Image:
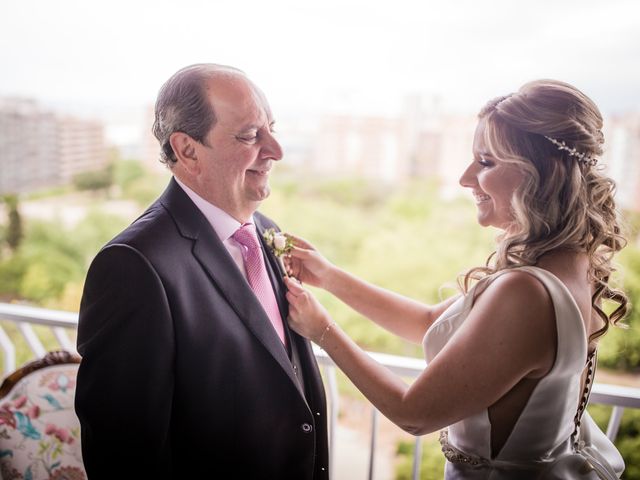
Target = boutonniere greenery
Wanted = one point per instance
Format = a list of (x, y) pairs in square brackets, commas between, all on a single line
[(279, 244)]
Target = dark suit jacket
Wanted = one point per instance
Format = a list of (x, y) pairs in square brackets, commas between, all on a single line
[(182, 374)]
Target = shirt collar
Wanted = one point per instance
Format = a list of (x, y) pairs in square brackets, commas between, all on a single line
[(222, 223)]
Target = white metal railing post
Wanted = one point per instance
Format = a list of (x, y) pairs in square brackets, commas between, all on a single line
[(24, 317), (32, 339), (614, 422), (9, 352), (374, 436), (63, 339), (332, 387), (417, 458)]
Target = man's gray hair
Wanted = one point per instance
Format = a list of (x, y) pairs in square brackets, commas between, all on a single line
[(183, 106)]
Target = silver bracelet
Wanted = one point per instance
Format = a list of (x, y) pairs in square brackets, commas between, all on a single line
[(325, 332)]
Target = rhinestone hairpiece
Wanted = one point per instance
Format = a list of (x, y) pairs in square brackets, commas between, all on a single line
[(581, 157)]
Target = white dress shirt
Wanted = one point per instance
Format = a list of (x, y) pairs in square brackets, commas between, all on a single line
[(222, 223)]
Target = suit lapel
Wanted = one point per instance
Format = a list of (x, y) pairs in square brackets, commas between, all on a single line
[(224, 273)]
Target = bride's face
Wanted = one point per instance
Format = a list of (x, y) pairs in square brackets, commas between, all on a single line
[(492, 182)]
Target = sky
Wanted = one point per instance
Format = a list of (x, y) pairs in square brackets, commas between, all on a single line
[(105, 57)]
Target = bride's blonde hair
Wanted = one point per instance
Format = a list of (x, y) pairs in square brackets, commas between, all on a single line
[(562, 202)]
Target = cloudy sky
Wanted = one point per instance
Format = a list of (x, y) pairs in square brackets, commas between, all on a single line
[(314, 54)]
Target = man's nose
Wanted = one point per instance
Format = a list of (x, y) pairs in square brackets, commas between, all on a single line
[(272, 148)]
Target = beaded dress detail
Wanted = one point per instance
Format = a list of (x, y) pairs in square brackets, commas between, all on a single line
[(553, 436)]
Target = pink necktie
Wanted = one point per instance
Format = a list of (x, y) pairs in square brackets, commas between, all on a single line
[(257, 274)]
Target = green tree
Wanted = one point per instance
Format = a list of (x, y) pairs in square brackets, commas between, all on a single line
[(51, 257), (126, 173), (432, 462), (95, 180), (12, 271), (628, 439), (14, 233), (620, 348)]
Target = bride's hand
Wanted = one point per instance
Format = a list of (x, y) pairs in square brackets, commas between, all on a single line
[(306, 315), (306, 264)]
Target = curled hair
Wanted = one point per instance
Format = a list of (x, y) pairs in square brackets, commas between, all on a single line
[(561, 202), (183, 106)]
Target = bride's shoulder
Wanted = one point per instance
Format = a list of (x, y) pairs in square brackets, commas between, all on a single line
[(518, 289), (525, 281), (515, 314)]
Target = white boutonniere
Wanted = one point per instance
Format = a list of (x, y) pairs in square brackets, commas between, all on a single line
[(279, 244)]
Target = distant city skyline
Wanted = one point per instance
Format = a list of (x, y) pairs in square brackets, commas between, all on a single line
[(420, 142), (41, 149)]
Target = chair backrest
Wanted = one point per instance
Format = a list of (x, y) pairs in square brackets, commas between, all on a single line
[(39, 429)]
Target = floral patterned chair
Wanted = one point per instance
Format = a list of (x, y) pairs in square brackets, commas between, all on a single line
[(39, 430)]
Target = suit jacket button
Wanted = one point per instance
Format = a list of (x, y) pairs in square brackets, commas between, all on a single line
[(306, 428)]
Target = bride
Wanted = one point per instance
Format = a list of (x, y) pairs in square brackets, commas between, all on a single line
[(510, 361)]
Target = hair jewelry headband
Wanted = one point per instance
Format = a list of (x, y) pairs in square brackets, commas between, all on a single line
[(582, 157)]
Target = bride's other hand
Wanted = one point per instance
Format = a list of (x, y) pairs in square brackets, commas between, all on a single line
[(306, 264)]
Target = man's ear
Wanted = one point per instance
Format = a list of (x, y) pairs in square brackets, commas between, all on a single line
[(185, 149)]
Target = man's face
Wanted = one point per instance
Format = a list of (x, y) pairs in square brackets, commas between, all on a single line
[(237, 154)]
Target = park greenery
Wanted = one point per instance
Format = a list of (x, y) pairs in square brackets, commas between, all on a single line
[(406, 238)]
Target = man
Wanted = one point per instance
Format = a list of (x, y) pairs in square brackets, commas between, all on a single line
[(189, 369)]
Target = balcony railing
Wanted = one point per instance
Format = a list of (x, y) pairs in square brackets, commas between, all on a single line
[(61, 323)]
